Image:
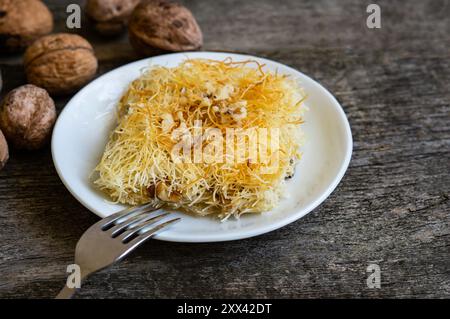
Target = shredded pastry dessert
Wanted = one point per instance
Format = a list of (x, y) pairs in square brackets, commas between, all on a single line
[(207, 136)]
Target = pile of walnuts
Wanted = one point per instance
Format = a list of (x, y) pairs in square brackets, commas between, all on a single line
[(57, 64)]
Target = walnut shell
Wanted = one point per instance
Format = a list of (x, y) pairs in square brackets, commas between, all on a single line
[(60, 63), (110, 16), (163, 25), (27, 116), (4, 153), (22, 22)]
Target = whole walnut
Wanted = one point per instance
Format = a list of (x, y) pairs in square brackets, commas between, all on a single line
[(22, 22), (4, 153), (163, 25), (60, 63), (27, 116), (110, 16)]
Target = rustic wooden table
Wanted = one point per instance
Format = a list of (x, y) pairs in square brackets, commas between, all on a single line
[(392, 207)]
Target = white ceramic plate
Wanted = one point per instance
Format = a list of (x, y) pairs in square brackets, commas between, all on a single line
[(83, 127)]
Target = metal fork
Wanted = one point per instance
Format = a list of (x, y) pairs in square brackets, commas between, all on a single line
[(114, 237)]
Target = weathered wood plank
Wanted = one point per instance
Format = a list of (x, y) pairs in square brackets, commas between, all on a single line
[(392, 207)]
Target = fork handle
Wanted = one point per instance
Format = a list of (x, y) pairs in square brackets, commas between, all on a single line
[(66, 293)]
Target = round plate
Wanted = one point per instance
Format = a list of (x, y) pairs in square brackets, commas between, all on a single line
[(83, 128)]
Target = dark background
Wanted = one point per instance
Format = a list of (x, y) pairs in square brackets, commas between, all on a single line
[(392, 207)]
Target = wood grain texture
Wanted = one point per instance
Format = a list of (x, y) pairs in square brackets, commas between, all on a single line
[(392, 207)]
